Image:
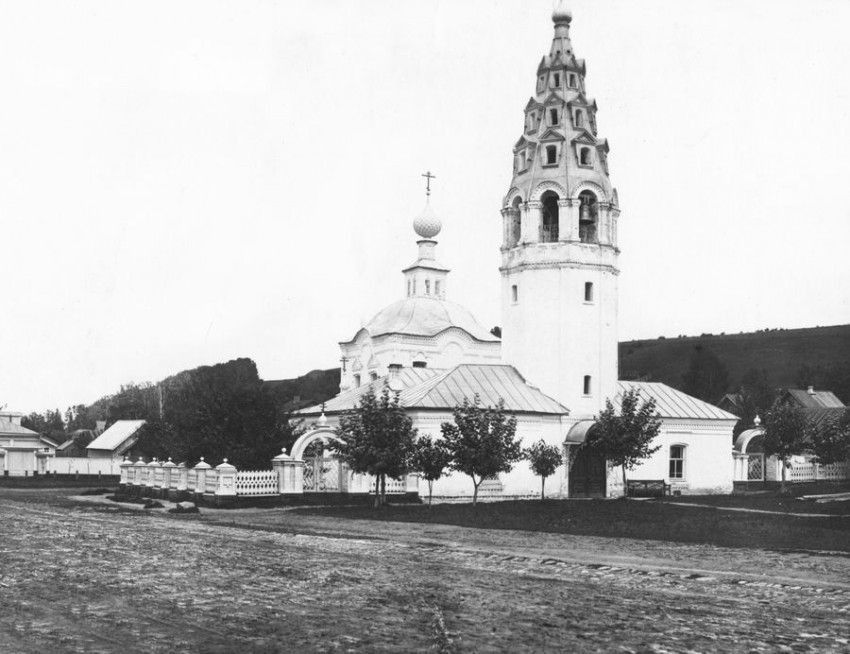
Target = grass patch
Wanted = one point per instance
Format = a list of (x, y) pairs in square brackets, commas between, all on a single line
[(648, 520)]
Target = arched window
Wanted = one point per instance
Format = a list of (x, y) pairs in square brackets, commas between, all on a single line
[(587, 215), (677, 462), (356, 381), (584, 157), (373, 376), (549, 223)]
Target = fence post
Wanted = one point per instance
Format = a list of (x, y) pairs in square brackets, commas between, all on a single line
[(167, 470), (125, 466), (138, 472), (182, 477), (226, 482), (3, 461), (411, 483), (201, 484), (290, 473), (152, 467)]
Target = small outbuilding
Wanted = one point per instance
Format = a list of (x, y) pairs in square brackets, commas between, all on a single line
[(22, 451), (116, 441)]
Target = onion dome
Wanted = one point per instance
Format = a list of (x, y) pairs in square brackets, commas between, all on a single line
[(562, 14), (427, 224)]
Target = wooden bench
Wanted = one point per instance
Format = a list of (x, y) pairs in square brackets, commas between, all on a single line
[(647, 488)]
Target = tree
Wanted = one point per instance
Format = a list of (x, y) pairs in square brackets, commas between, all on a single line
[(784, 433), (831, 439), (377, 438), (430, 460), (544, 461), (626, 438), (757, 396), (706, 377), (481, 441)]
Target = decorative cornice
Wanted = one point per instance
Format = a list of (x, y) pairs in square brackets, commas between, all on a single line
[(558, 264)]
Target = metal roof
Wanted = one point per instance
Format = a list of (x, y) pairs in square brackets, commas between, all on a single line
[(671, 403), (425, 316), (117, 434), (429, 388), (9, 428), (815, 399)]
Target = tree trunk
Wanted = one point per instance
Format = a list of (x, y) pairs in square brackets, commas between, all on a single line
[(625, 486), (784, 465), (430, 491), (377, 493), (475, 491), (383, 490), (542, 488)]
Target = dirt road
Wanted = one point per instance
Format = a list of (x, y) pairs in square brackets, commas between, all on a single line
[(88, 577)]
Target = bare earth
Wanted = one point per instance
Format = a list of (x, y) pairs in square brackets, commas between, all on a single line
[(86, 576)]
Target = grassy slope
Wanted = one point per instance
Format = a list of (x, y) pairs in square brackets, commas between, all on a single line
[(781, 353)]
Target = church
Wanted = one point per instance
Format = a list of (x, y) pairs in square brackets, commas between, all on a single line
[(556, 362)]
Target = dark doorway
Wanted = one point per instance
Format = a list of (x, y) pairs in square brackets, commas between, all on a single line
[(587, 474)]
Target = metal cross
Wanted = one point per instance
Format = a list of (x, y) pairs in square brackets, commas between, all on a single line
[(429, 176), (343, 360)]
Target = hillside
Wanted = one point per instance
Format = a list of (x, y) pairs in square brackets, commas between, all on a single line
[(782, 353)]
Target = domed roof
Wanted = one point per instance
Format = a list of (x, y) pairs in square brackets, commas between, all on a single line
[(425, 316), (427, 224), (562, 14)]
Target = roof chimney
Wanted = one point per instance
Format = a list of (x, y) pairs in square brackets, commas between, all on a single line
[(811, 390)]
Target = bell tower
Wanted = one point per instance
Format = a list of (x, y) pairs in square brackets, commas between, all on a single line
[(559, 248)]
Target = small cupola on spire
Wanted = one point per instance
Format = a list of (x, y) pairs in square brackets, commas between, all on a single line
[(426, 277)]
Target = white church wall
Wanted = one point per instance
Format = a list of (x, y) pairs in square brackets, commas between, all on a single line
[(554, 351), (708, 461)]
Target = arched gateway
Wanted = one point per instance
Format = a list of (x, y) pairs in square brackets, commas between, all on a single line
[(322, 472)]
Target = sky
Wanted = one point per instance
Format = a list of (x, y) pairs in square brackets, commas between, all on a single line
[(184, 182)]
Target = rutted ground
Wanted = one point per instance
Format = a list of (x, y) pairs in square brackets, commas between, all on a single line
[(89, 578)]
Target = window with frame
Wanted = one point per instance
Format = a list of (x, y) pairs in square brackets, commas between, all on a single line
[(356, 381), (514, 294), (584, 157), (588, 291), (556, 80), (373, 376), (572, 80), (587, 386), (553, 117), (551, 155), (677, 462)]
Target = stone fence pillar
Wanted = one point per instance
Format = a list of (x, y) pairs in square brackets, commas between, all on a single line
[(226, 482), (153, 466), (126, 471), (167, 470), (201, 484), (138, 472), (290, 474), (411, 483), (182, 473), (3, 462)]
